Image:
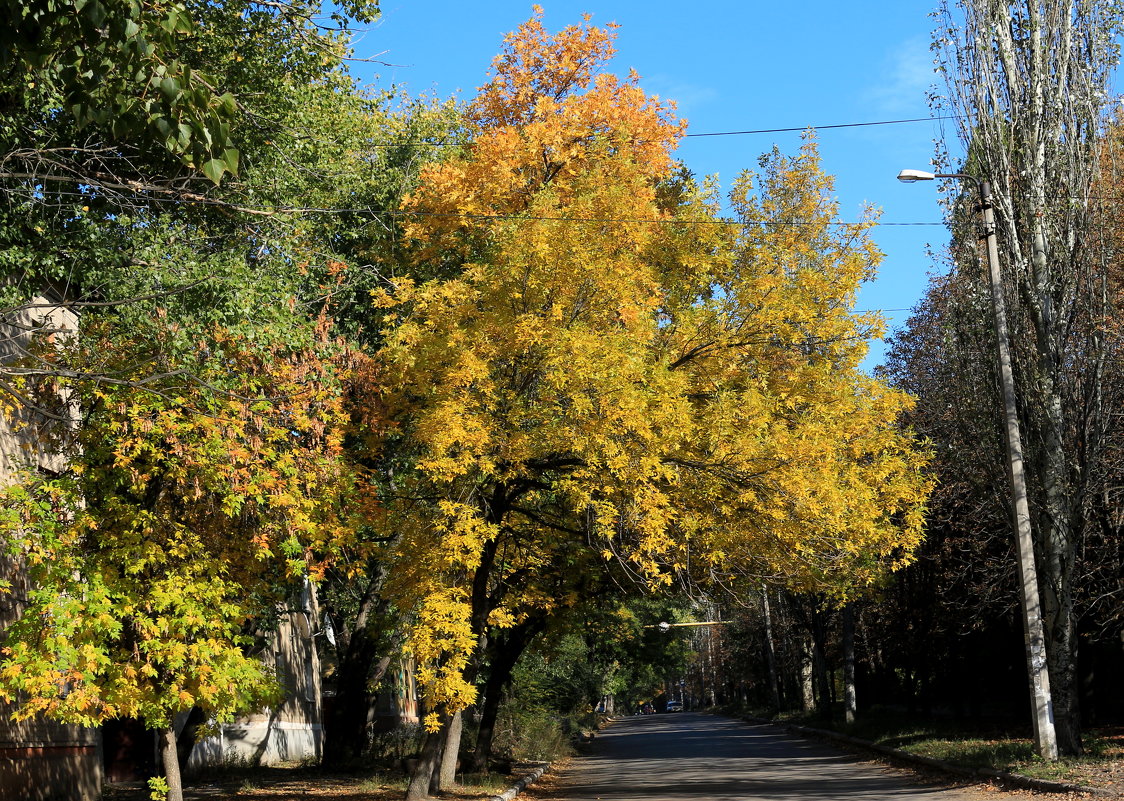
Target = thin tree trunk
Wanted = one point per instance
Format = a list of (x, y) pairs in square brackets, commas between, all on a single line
[(770, 651), (850, 705), (819, 666), (807, 686), (170, 758), (439, 757), (447, 776), (358, 669), (504, 651), (189, 734), (421, 778), (486, 731)]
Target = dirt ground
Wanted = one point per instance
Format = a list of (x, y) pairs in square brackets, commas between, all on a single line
[(295, 784)]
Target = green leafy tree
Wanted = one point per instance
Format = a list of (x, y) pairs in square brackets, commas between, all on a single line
[(118, 115)]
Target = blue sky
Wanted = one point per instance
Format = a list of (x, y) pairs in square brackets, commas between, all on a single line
[(735, 66)]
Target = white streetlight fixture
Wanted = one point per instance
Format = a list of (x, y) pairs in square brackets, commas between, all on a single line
[(909, 176), (664, 625), (1033, 630)]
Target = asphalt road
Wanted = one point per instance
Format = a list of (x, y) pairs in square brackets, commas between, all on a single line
[(693, 756)]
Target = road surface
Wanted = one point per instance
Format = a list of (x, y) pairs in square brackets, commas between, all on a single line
[(694, 756)]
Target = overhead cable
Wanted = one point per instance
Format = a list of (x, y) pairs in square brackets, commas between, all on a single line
[(797, 129)]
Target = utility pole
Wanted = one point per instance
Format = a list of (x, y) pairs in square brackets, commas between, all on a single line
[(1034, 637)]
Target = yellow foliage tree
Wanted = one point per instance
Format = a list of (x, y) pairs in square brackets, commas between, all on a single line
[(188, 511), (617, 372)]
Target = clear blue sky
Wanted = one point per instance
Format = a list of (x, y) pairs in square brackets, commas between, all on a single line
[(735, 66)]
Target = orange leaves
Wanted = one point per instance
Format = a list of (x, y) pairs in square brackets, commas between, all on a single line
[(191, 506), (537, 67), (547, 120)]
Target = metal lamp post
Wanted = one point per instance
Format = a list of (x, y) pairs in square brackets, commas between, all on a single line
[(1033, 631)]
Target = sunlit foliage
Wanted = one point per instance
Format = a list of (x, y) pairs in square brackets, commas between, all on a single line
[(614, 368)]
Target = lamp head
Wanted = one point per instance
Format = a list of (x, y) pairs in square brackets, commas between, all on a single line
[(910, 176)]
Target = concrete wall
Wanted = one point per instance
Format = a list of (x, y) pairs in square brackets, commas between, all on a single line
[(292, 732), (42, 761)]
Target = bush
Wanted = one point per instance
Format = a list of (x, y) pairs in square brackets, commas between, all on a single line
[(393, 745), (532, 734)]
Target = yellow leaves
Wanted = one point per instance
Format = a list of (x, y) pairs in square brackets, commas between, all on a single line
[(183, 507), (661, 391), (441, 640), (544, 122), (501, 618)]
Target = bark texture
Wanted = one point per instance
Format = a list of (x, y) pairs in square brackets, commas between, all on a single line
[(359, 668), (170, 760), (503, 652), (447, 776)]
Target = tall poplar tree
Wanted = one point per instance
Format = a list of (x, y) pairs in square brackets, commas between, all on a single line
[(1029, 81)]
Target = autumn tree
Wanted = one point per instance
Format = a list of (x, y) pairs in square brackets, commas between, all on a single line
[(1101, 557), (609, 367), (200, 287), (183, 518)]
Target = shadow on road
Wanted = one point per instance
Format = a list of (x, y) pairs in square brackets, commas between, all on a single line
[(691, 755)]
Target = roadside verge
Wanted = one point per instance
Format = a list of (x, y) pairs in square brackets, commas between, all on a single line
[(536, 773), (986, 774)]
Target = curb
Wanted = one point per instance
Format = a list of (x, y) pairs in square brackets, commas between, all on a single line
[(988, 774), (522, 784)]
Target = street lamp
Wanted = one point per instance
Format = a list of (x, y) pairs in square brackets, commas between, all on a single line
[(664, 625), (1045, 737)]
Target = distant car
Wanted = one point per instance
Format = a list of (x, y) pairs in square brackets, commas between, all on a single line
[(674, 706)]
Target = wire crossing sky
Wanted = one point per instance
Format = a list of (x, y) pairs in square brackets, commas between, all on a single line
[(746, 76)]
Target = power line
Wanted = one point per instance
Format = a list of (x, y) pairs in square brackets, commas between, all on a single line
[(833, 126), (825, 127), (389, 213)]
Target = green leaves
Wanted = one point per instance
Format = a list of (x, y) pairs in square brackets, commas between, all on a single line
[(150, 73), (107, 57)]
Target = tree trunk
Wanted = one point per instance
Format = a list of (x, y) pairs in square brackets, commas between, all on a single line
[(420, 779), (170, 758), (504, 651), (442, 737), (849, 701), (358, 669), (345, 736), (770, 651), (819, 666), (448, 774), (185, 743), (1061, 655), (807, 686)]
